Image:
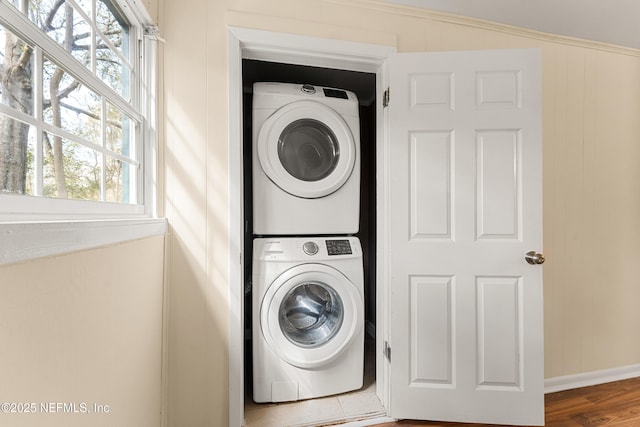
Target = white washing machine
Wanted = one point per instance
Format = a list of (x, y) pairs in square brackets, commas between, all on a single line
[(308, 317), (306, 160)]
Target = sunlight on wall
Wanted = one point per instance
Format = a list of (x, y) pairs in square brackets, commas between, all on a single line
[(84, 330), (590, 98)]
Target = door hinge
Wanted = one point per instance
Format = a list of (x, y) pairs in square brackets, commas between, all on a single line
[(387, 351), (385, 98)]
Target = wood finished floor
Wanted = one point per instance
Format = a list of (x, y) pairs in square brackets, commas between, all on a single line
[(612, 404)]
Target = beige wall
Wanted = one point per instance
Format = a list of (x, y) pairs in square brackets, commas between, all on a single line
[(591, 102), (591, 106), (84, 328), (152, 8), (592, 212)]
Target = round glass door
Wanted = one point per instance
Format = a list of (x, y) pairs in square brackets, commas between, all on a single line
[(307, 149), (311, 314)]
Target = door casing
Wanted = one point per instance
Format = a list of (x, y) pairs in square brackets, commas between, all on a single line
[(286, 48)]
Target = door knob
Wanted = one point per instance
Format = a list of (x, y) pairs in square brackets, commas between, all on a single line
[(533, 258)]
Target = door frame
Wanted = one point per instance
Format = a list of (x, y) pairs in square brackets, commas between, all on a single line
[(244, 43)]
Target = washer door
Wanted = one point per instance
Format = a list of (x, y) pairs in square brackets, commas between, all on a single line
[(307, 149), (310, 314)]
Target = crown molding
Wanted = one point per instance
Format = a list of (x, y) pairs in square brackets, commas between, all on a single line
[(467, 21)]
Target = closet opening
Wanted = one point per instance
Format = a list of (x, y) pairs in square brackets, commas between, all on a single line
[(361, 403)]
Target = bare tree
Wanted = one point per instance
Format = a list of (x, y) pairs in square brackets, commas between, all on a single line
[(16, 92), (54, 89)]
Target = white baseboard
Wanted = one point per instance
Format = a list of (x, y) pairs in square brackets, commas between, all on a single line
[(368, 422), (568, 382), (587, 379)]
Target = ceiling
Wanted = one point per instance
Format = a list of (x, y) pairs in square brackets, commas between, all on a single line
[(610, 21)]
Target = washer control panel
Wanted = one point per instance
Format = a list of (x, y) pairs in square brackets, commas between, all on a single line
[(307, 88), (286, 249), (310, 248), (338, 247)]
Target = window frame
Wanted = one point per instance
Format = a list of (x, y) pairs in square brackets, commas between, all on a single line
[(141, 108), (34, 226)]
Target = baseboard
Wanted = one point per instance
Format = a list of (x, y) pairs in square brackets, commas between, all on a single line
[(568, 382), (368, 422), (587, 379)]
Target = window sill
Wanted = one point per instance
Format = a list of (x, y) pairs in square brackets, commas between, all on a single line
[(22, 241)]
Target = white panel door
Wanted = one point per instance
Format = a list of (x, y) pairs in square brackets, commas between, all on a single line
[(465, 181)]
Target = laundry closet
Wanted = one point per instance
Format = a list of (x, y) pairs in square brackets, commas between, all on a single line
[(455, 180), (363, 86)]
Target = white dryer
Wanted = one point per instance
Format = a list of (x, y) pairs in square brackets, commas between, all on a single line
[(308, 317), (306, 160)]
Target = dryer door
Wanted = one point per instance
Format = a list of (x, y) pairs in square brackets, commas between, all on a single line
[(310, 314), (307, 149)]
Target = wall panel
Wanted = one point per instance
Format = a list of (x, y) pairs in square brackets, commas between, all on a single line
[(84, 329), (590, 100)]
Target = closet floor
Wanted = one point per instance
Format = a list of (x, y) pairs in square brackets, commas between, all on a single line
[(356, 405)]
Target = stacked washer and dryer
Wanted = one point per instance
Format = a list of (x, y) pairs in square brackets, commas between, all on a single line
[(308, 283)]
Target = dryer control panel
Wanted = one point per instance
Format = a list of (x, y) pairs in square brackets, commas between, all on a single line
[(335, 93), (338, 247)]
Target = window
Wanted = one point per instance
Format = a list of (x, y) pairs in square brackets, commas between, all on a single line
[(75, 103)]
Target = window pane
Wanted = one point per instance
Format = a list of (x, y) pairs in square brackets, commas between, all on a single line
[(86, 6), (69, 105), (109, 66), (81, 49), (31, 173), (71, 170), (53, 17), (112, 71), (65, 25), (112, 26), (119, 181), (16, 86), (15, 159), (82, 144), (119, 127)]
